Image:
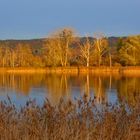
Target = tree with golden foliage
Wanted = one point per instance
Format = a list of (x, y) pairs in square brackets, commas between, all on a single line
[(101, 47), (53, 54), (58, 46)]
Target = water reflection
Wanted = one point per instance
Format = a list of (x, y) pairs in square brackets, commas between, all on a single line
[(128, 89), (57, 87), (20, 83), (106, 88)]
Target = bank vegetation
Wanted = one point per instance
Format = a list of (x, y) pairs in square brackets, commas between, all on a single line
[(82, 119)]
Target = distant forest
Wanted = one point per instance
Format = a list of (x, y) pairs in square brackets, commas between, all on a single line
[(64, 48)]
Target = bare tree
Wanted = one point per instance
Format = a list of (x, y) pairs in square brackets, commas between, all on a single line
[(59, 44), (100, 46), (66, 37), (85, 49)]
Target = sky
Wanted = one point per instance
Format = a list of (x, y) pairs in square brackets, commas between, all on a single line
[(28, 19)]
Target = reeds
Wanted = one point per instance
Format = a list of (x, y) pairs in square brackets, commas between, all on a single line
[(82, 119)]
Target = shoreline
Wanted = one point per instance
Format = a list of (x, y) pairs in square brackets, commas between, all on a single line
[(75, 70)]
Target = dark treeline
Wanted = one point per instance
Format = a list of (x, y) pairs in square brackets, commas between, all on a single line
[(64, 48)]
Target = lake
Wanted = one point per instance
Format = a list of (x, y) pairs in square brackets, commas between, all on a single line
[(105, 87)]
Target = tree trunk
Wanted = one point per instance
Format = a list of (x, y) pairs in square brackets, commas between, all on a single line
[(13, 60), (3, 62), (66, 54), (99, 62), (110, 60), (87, 62), (99, 52)]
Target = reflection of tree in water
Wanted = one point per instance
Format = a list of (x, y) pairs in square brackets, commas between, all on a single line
[(57, 86), (128, 89), (20, 83), (85, 87), (99, 85)]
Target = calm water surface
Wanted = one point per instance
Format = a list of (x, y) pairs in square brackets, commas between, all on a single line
[(106, 88)]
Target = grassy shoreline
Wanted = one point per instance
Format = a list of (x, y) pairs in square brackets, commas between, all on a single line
[(75, 70)]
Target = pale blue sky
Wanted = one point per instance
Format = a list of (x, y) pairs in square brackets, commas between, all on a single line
[(25, 19)]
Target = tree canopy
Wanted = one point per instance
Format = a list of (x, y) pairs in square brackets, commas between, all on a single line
[(64, 48)]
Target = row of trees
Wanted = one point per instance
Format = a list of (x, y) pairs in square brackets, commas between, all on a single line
[(64, 48), (19, 56)]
